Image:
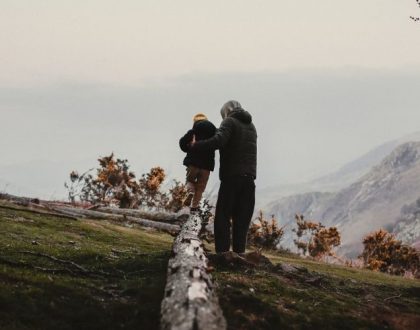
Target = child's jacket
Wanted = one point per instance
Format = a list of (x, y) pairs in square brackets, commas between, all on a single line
[(202, 130)]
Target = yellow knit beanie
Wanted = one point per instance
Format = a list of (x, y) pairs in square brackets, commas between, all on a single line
[(199, 116)]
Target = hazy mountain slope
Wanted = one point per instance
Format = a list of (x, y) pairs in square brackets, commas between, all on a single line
[(355, 169), (372, 202), (308, 204), (407, 228), (343, 177), (376, 200)]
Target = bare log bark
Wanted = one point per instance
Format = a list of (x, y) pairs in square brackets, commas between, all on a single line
[(150, 215), (19, 200), (190, 300), (78, 212), (37, 209), (136, 216)]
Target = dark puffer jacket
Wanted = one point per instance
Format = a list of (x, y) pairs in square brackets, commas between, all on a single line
[(237, 140), (204, 159)]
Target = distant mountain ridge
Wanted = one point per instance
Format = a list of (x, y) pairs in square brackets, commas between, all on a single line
[(339, 179), (355, 169), (372, 202)]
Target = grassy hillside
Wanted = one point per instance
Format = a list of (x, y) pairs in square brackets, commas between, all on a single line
[(305, 294), (58, 273), (116, 280)]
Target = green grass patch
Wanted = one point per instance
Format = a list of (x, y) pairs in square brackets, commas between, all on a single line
[(318, 296), (58, 273)]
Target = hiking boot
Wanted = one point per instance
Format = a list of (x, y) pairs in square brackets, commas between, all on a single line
[(188, 199)]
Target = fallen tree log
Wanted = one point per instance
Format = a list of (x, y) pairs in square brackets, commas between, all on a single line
[(162, 216), (150, 215), (83, 213), (38, 209), (190, 301), (19, 200)]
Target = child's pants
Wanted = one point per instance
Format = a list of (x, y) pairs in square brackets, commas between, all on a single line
[(196, 183)]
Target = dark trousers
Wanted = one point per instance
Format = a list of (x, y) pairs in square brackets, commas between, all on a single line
[(236, 201)]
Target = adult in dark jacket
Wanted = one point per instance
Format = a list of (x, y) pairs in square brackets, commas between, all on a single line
[(236, 138), (198, 163)]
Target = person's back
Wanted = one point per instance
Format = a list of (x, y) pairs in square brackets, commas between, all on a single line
[(202, 129), (200, 163), (236, 138), (239, 155)]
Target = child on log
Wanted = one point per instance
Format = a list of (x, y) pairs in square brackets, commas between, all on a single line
[(198, 164)]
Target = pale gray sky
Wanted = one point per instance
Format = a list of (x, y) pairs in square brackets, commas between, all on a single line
[(325, 81), (133, 42)]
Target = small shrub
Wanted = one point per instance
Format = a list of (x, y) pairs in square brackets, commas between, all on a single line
[(114, 184), (265, 233), (383, 252), (149, 193), (177, 195), (314, 239)]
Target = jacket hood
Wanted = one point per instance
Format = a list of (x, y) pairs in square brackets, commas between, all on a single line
[(228, 107), (241, 115)]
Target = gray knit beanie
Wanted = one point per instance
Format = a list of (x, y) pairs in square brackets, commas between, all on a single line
[(228, 107)]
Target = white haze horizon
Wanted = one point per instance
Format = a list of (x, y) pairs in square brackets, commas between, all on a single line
[(309, 123), (324, 81)]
